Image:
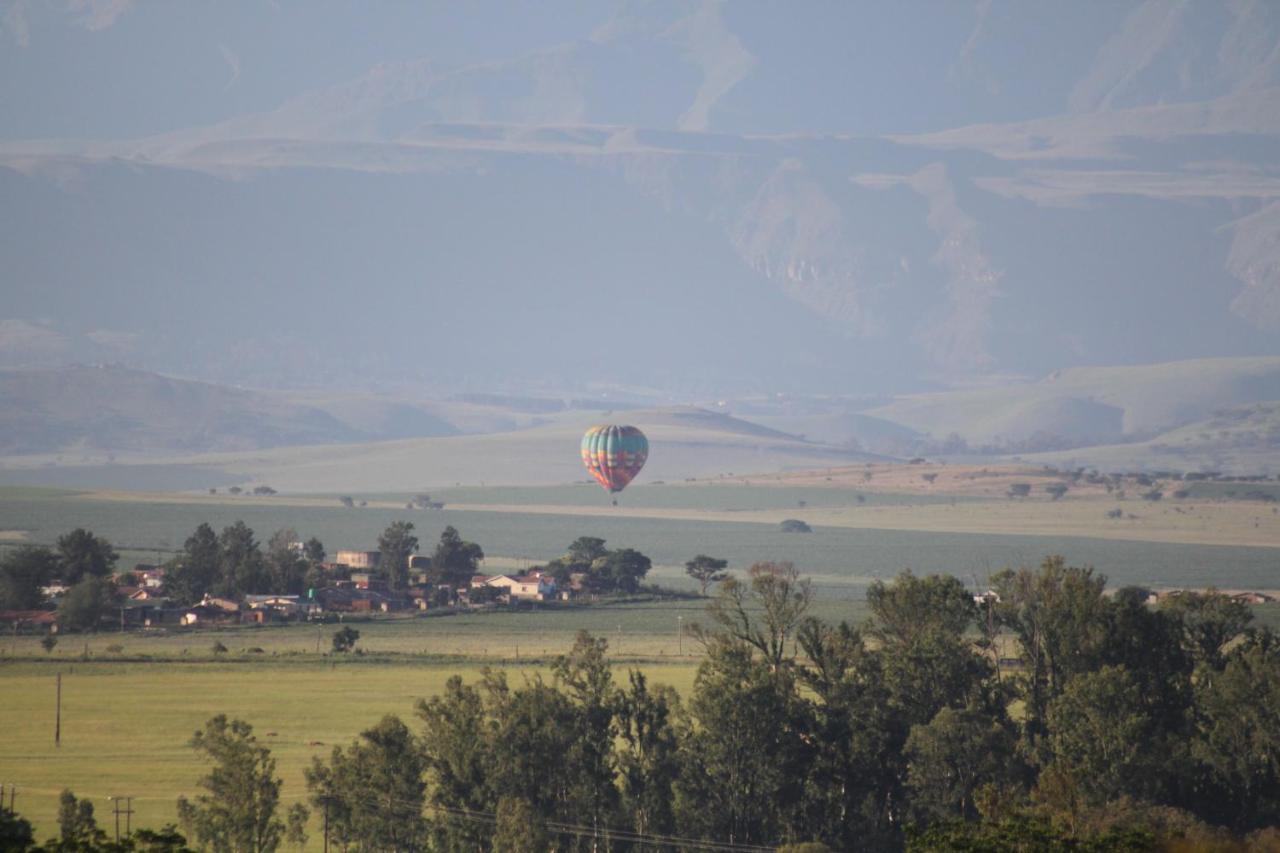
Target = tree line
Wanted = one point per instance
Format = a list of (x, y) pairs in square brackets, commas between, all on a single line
[(1121, 726), (233, 563), (1115, 726)]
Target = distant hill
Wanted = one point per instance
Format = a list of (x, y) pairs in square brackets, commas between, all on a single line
[(98, 409), (1236, 440), (1089, 406)]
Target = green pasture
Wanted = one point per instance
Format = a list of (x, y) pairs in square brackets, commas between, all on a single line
[(722, 497), (841, 561), (125, 725), (648, 630)]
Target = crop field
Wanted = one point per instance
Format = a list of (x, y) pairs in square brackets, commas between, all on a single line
[(125, 726), (841, 559)]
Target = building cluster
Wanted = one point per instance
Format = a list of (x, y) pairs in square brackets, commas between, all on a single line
[(354, 585)]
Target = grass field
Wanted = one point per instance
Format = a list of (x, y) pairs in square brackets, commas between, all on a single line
[(125, 726), (851, 544)]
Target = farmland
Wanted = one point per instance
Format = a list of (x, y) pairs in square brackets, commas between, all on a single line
[(862, 531), (125, 726), (131, 700)]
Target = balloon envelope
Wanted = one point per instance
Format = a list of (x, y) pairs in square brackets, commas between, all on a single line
[(614, 454)]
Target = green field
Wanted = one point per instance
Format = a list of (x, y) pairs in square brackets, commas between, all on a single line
[(841, 560), (125, 725)]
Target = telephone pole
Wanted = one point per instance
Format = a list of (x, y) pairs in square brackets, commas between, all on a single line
[(57, 726), (127, 811)]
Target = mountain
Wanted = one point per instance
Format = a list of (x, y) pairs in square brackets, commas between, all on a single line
[(672, 198)]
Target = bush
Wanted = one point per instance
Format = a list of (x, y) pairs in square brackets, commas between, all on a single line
[(795, 525), (344, 639)]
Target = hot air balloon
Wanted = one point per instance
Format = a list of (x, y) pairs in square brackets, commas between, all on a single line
[(614, 454)]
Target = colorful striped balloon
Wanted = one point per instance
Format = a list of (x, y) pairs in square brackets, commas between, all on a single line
[(614, 454)]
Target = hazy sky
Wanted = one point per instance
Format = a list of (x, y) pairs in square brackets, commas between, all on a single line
[(691, 197)]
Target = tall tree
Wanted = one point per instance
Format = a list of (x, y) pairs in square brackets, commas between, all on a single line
[(455, 560), (395, 544), (744, 758), (243, 571), (585, 676), (456, 752), (77, 827), (648, 754), (195, 571), (928, 662), (286, 565), (853, 789), (85, 604), (1209, 621), (1101, 734), (620, 570), (952, 756), (773, 590), (23, 572), (1238, 742), (81, 553), (706, 571), (238, 812), (373, 790), (1058, 616)]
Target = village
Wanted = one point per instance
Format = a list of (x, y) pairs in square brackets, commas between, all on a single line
[(294, 581)]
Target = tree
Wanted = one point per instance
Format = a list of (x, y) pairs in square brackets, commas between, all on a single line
[(1209, 621), (455, 560), (1238, 739), (396, 543), (745, 756), (1100, 734), (620, 570), (81, 553), (84, 605), (286, 565), (313, 551), (519, 829), (587, 680), (15, 831), (197, 568), (374, 789), (781, 596), (1058, 616), (344, 639), (648, 755), (48, 642), (706, 571), (952, 756), (238, 814), (23, 572), (456, 754), (296, 825), (795, 525), (76, 824), (585, 550), (242, 568), (928, 662)]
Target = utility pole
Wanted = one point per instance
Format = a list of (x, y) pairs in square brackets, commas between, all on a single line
[(57, 726), (326, 824)]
